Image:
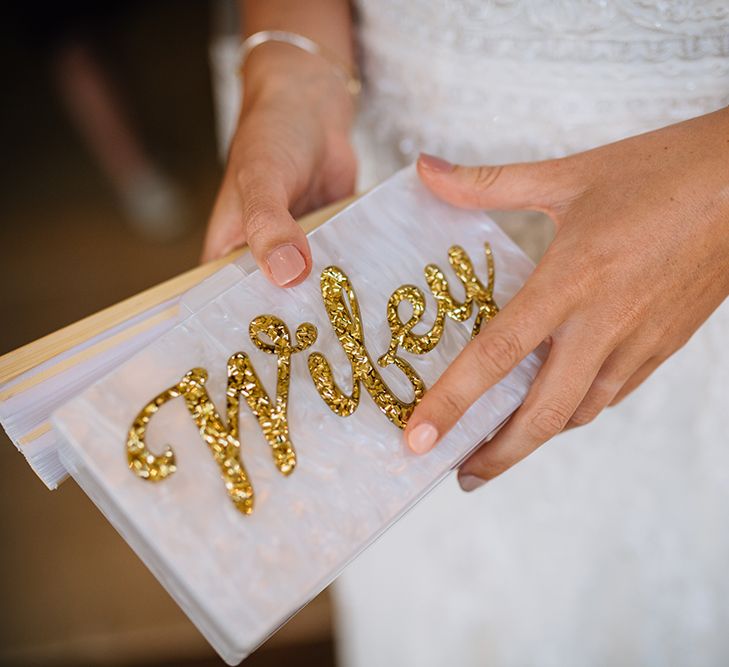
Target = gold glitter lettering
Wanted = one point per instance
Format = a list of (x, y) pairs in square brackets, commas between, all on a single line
[(223, 439), (401, 332), (242, 380), (223, 445), (340, 302), (342, 307)]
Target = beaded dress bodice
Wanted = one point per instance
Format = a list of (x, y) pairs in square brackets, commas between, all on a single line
[(505, 80)]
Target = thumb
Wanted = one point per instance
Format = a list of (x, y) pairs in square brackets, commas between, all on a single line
[(225, 230), (526, 185), (254, 210), (276, 240)]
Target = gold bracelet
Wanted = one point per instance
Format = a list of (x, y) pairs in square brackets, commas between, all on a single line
[(351, 80)]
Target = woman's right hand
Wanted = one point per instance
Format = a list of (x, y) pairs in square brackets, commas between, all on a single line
[(291, 153)]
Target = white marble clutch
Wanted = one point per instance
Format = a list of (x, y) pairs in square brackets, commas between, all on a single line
[(240, 577)]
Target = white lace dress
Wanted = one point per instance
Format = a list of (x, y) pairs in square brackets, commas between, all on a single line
[(610, 545)]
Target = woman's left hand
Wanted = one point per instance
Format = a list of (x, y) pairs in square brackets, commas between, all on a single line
[(640, 259)]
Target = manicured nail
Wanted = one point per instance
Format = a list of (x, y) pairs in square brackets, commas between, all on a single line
[(422, 438), (434, 163), (285, 263), (470, 482)]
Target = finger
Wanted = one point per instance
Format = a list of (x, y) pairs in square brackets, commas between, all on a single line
[(277, 242), (615, 372), (559, 388), (252, 207), (225, 228), (635, 380), (530, 185), (525, 322)]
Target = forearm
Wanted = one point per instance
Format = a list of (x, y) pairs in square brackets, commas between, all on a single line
[(276, 66), (292, 151), (327, 22)]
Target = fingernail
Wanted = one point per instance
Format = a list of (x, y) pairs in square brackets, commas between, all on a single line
[(422, 438), (470, 482), (285, 263), (435, 163)]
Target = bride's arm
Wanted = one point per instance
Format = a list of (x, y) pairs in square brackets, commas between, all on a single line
[(640, 259), (291, 150)]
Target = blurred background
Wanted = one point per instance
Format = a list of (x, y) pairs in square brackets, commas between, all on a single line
[(110, 165)]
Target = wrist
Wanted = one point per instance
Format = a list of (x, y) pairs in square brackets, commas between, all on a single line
[(276, 73)]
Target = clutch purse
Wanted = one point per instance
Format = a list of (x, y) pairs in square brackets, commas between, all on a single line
[(253, 449)]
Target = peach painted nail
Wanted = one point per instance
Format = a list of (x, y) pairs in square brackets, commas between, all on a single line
[(470, 482), (434, 163), (286, 264), (422, 438)]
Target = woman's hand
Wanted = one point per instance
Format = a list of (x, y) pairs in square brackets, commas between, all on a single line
[(639, 261), (290, 154)]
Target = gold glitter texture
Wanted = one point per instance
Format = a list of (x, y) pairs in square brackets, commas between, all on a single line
[(476, 294), (342, 307), (223, 439), (340, 302), (242, 380), (223, 445)]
